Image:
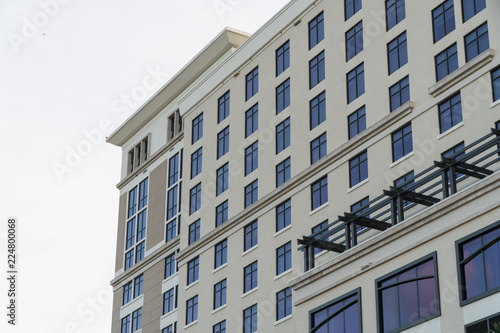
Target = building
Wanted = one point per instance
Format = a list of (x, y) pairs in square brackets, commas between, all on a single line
[(337, 169)]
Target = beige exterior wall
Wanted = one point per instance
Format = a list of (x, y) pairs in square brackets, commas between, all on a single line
[(122, 215), (432, 229)]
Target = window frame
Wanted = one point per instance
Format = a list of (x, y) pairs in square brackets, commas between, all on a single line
[(197, 159), (224, 106), (445, 17), (317, 69), (284, 209), (193, 309), (402, 141), (283, 95), (251, 158), (282, 58), (358, 79), (222, 211), (337, 300), (461, 279), (356, 122), (194, 231), (354, 9), (220, 251), (197, 197), (387, 9), (250, 228), (220, 294), (283, 135), (287, 300), (285, 257), (253, 272), (401, 51), (432, 256), (223, 142), (464, 19), (317, 107), (355, 36), (495, 93), (195, 269), (222, 179), (442, 109), (322, 201), (252, 118), (358, 156), (198, 124), (317, 24), (319, 144), (401, 88), (251, 191), (283, 171), (475, 41), (252, 78), (449, 60)]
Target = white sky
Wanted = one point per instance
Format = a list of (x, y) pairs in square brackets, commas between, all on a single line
[(62, 70)]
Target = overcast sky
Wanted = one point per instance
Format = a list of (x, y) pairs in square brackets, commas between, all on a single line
[(66, 66)]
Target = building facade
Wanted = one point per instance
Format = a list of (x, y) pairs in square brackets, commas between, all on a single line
[(336, 171)]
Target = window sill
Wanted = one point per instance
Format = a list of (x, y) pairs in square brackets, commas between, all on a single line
[(457, 126), (358, 185), (192, 284), (219, 268), (168, 314), (283, 230), (249, 292), (191, 324), (319, 254), (497, 102), (219, 309), (249, 250), (407, 156), (461, 73), (282, 274), (318, 208), (170, 277), (132, 302), (283, 319)]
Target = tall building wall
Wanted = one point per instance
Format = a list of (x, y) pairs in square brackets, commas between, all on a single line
[(332, 133)]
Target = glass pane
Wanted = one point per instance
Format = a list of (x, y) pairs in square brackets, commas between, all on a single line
[(427, 297), (408, 300), (474, 277), (492, 266), (390, 309), (352, 318)]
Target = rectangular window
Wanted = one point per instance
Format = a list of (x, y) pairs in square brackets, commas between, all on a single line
[(317, 110), (136, 320), (283, 96), (138, 282), (141, 225), (361, 206), (171, 230), (318, 148), (223, 105), (282, 135), (251, 193), (479, 264), (127, 293), (172, 202), (222, 142), (220, 253), (358, 169), (197, 128), (316, 30), (283, 171), (443, 20), (408, 296), (400, 93), (355, 83), (132, 202), (402, 143), (321, 229), (476, 42), (317, 69), (403, 182), (283, 303), (194, 231), (357, 122), (129, 259), (455, 152), (395, 12), (450, 112), (471, 8), (489, 324), (130, 233), (170, 328), (397, 53), (195, 199), (168, 301), (446, 62), (220, 294), (220, 327), (126, 324), (283, 215), (251, 158), (131, 160), (495, 82), (192, 310), (143, 193), (222, 178), (251, 120), (196, 162), (343, 313), (173, 170), (354, 41), (250, 319), (252, 83), (282, 58), (139, 252), (250, 277), (193, 270), (251, 236), (170, 266), (319, 193), (351, 7), (284, 258), (221, 213)]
